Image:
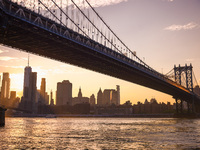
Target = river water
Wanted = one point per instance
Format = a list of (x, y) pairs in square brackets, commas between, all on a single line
[(100, 133)]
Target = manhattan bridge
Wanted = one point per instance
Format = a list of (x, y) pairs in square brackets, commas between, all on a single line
[(73, 32)]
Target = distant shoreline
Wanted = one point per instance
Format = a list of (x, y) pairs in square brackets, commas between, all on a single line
[(103, 116)]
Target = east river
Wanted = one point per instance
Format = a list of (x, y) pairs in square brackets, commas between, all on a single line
[(100, 133)]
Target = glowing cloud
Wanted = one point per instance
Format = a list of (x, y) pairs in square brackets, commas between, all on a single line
[(6, 58), (80, 3), (168, 0), (188, 26), (15, 67), (3, 51), (100, 3), (189, 59)]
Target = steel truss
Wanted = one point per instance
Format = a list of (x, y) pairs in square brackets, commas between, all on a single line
[(179, 72)]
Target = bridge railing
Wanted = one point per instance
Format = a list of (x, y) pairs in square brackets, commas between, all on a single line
[(44, 14)]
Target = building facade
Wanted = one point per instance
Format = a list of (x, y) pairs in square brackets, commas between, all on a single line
[(109, 97), (27, 73), (99, 98), (5, 89), (64, 93), (80, 99), (92, 100), (29, 98), (197, 90), (43, 97), (51, 99)]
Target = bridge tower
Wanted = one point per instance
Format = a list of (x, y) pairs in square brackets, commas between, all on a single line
[(183, 74)]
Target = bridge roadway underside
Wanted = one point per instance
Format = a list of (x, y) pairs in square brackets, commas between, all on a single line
[(24, 36)]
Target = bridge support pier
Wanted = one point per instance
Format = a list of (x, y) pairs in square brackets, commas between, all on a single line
[(2, 117), (180, 113), (179, 106), (190, 108)]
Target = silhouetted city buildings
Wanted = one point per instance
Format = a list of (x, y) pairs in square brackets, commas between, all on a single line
[(8, 98), (64, 93), (92, 100), (5, 89), (51, 99), (108, 97), (124, 109), (80, 99), (108, 101), (152, 107), (100, 98), (29, 99), (197, 90), (12, 98), (0, 89), (27, 74), (43, 96)]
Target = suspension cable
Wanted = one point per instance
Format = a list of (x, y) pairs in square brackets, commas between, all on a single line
[(169, 72), (119, 38), (195, 77), (58, 18), (95, 26)]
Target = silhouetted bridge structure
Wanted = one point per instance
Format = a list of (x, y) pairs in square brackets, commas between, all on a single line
[(67, 33), (4, 108)]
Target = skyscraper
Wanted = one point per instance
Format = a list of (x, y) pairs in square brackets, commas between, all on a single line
[(43, 87), (0, 90), (118, 95), (79, 93), (64, 93), (44, 97), (196, 90), (51, 98), (12, 98), (107, 97), (115, 99), (0, 80), (80, 99), (100, 98), (32, 91), (92, 100), (5, 88), (29, 99), (27, 73)]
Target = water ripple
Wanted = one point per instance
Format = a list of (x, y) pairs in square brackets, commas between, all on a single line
[(100, 133)]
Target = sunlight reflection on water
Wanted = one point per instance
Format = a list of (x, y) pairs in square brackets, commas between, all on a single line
[(100, 133)]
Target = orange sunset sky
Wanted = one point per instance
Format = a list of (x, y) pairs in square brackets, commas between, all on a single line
[(164, 33)]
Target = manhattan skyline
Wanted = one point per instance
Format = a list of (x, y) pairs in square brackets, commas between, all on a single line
[(163, 35)]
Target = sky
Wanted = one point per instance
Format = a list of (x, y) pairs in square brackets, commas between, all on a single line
[(164, 33)]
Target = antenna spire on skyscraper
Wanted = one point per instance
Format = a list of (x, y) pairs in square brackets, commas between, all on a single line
[(28, 60)]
